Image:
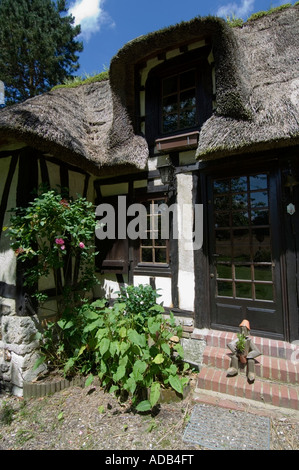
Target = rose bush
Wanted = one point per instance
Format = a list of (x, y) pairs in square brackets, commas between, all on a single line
[(55, 236)]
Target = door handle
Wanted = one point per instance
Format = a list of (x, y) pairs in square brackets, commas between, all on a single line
[(212, 275)]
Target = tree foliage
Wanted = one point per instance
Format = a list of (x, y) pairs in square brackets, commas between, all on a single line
[(38, 46)]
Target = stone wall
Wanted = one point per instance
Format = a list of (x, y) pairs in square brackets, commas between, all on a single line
[(18, 348)]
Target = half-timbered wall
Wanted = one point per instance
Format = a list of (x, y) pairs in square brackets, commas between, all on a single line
[(21, 173)]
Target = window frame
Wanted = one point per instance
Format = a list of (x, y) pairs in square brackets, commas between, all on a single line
[(197, 60), (179, 91), (146, 267), (153, 246)]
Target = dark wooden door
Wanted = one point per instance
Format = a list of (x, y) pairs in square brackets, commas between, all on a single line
[(244, 253)]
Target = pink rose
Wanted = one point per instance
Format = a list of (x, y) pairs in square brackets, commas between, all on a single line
[(81, 244), (62, 247), (59, 241)]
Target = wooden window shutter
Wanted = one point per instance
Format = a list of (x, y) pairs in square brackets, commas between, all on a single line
[(113, 255)]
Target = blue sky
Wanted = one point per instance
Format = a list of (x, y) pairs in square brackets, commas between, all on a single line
[(107, 25)]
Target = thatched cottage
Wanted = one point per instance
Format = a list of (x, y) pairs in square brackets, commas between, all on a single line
[(201, 115)]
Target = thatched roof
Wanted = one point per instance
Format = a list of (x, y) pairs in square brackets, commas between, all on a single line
[(73, 124), (257, 97), (268, 59)]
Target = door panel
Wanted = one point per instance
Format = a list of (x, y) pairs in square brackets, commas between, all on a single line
[(244, 252)]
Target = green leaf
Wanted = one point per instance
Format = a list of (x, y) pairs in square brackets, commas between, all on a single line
[(91, 315), (179, 349), (121, 370), (176, 384), (153, 325), (100, 303), (113, 389), (173, 369), (157, 308), (61, 323), (122, 332), (70, 363), (166, 348), (143, 406), (158, 359), (136, 338), (38, 362), (101, 331), (92, 326), (138, 370), (104, 345), (130, 385), (124, 346), (154, 393), (114, 348), (81, 350), (103, 367), (89, 380)]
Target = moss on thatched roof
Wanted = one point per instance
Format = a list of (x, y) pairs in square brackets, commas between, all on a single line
[(78, 81), (257, 97), (268, 52)]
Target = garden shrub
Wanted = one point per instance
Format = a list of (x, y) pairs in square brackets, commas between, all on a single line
[(128, 358), (109, 342), (54, 236)]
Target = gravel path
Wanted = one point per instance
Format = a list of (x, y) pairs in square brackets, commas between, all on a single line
[(77, 419)]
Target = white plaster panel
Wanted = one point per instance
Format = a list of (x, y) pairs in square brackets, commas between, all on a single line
[(186, 290), (144, 280), (163, 286), (7, 255), (76, 183), (185, 256), (152, 163), (108, 286), (114, 189), (54, 175)]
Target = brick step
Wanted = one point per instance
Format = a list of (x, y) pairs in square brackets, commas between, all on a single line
[(267, 367), (263, 391), (268, 347)]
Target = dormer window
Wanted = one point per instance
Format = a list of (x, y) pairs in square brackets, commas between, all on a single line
[(178, 97), (179, 104)]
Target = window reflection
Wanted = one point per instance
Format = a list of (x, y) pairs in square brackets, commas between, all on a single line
[(239, 184), (259, 199), (242, 238), (179, 107), (258, 182)]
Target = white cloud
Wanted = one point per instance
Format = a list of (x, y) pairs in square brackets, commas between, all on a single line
[(90, 15), (238, 10)]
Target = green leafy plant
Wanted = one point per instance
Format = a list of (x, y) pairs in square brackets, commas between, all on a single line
[(234, 22), (6, 413), (129, 359), (139, 301), (240, 345), (54, 236)]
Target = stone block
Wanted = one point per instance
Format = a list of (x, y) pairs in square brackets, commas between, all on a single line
[(22, 368), (193, 351), (18, 330)]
